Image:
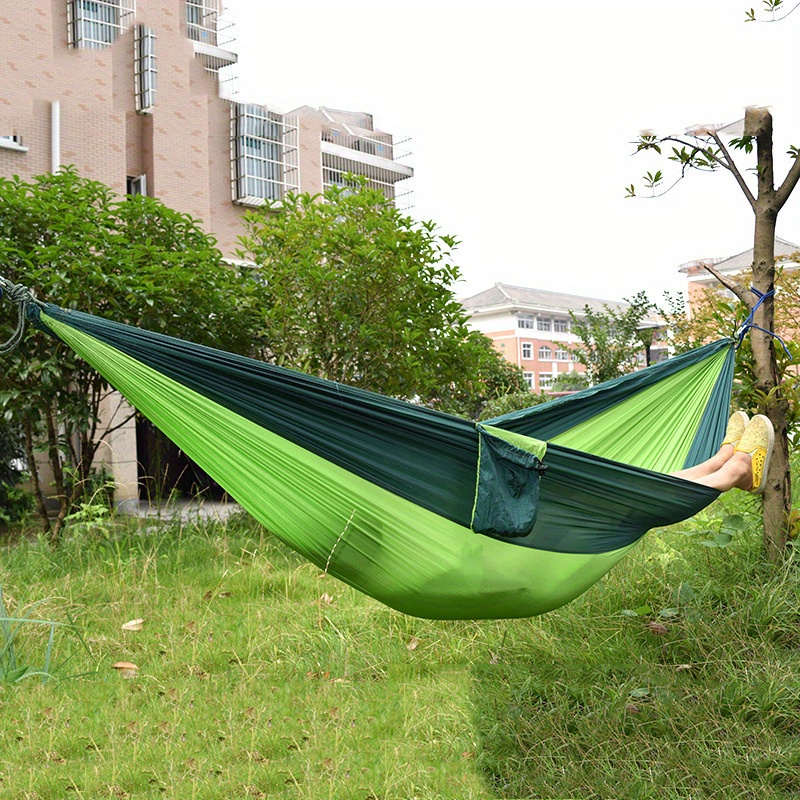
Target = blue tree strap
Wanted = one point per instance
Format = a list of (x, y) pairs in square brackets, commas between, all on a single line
[(749, 324)]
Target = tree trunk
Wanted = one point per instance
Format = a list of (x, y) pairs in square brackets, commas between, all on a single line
[(778, 487), (64, 501), (41, 508)]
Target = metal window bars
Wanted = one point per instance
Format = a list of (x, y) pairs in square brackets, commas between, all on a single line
[(205, 24), (264, 155), (145, 69), (98, 23)]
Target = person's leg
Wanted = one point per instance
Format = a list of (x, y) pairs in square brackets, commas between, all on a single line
[(714, 464), (736, 427), (747, 466), (735, 473)]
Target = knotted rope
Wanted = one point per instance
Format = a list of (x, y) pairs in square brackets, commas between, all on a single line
[(23, 297), (748, 323)]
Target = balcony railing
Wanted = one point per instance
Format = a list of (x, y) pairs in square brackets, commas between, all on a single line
[(381, 145)]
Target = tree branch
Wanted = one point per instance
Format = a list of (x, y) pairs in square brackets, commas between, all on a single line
[(112, 428), (735, 170), (660, 194), (789, 182), (696, 148), (742, 294), (751, 17)]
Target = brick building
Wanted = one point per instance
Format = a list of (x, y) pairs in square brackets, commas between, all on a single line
[(140, 95), (532, 328)]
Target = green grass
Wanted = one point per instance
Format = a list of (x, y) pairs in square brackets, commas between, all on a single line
[(261, 677)]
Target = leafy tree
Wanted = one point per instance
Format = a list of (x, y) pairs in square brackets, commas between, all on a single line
[(134, 260), (704, 150), (352, 290), (514, 401), (612, 340), (14, 502), (486, 378), (569, 382)]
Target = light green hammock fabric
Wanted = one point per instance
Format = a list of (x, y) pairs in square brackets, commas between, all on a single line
[(431, 514)]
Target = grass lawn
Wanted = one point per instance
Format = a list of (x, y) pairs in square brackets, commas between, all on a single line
[(678, 676)]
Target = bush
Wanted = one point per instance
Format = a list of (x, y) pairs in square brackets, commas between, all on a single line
[(515, 401), (14, 502)]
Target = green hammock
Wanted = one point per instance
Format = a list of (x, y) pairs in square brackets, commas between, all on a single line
[(431, 514)]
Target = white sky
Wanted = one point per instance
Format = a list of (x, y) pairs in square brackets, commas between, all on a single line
[(522, 115)]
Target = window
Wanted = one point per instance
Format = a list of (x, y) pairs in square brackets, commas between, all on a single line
[(545, 380), (201, 21), (545, 353), (136, 185), (525, 321), (264, 153), (97, 23), (145, 70), (562, 355), (561, 325), (12, 142), (527, 350), (528, 377), (543, 324)]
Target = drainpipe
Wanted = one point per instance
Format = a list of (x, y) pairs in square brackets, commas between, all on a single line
[(55, 136)]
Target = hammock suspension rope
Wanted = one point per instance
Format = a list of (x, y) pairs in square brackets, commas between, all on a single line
[(748, 323)]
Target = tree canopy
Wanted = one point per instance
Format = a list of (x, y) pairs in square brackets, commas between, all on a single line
[(352, 290), (613, 340)]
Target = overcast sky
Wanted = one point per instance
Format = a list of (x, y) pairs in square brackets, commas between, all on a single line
[(522, 116)]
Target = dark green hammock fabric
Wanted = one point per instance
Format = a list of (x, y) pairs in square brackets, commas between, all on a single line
[(431, 514)]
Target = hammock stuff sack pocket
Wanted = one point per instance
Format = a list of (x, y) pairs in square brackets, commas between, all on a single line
[(507, 491), (389, 496)]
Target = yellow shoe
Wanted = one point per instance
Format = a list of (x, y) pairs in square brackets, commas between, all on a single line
[(736, 425), (757, 441)]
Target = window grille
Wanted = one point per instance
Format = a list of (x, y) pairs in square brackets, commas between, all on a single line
[(201, 21), (204, 23), (264, 155), (145, 69), (98, 23)]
